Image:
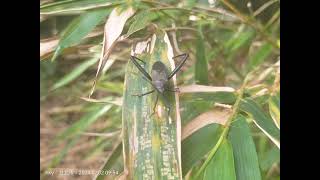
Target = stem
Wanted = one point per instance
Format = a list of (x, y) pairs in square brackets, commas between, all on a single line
[(226, 129), (180, 28), (251, 23), (170, 7), (263, 7)]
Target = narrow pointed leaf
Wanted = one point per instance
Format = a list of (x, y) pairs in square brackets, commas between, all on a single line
[(271, 157), (140, 21), (76, 72), (79, 28), (112, 159), (198, 144), (261, 119), (85, 121), (222, 164), (201, 67), (112, 31), (244, 150), (274, 108), (74, 6), (260, 55)]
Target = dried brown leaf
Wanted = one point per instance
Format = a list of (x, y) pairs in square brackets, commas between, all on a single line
[(112, 32), (201, 88), (117, 101), (215, 116), (48, 45)]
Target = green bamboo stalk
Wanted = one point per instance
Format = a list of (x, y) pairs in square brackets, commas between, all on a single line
[(151, 142)]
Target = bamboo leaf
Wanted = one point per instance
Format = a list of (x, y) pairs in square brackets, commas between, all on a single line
[(272, 156), (274, 108), (218, 116), (201, 67), (79, 28), (141, 20), (197, 145), (151, 138), (262, 120), (74, 6), (112, 30), (57, 158), (239, 39), (76, 72), (259, 56), (193, 104), (85, 121), (244, 151), (111, 160), (222, 164)]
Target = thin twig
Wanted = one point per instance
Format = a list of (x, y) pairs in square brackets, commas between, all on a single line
[(227, 126), (248, 21), (263, 7), (101, 134)]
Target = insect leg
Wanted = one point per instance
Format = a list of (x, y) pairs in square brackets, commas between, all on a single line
[(136, 58), (173, 90), (143, 94), (184, 58), (141, 69), (155, 105)]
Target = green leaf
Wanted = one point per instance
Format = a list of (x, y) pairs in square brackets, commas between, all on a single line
[(150, 134), (272, 156), (222, 164), (244, 151), (196, 146), (141, 20), (79, 28), (259, 56), (274, 108), (85, 121), (262, 120), (240, 39), (76, 72), (191, 109), (112, 87), (112, 159), (193, 104), (74, 6), (201, 67), (57, 159)]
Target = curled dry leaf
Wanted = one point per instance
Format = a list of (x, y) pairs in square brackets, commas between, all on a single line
[(117, 101), (112, 31), (48, 45), (201, 88), (215, 116)]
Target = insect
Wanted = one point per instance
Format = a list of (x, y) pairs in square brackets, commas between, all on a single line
[(159, 78)]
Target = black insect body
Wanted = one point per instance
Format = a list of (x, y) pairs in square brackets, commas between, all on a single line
[(159, 78), (159, 75)]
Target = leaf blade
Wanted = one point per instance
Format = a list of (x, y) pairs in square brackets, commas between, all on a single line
[(79, 28), (197, 145), (76, 72), (244, 151), (222, 164), (262, 120), (201, 66)]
